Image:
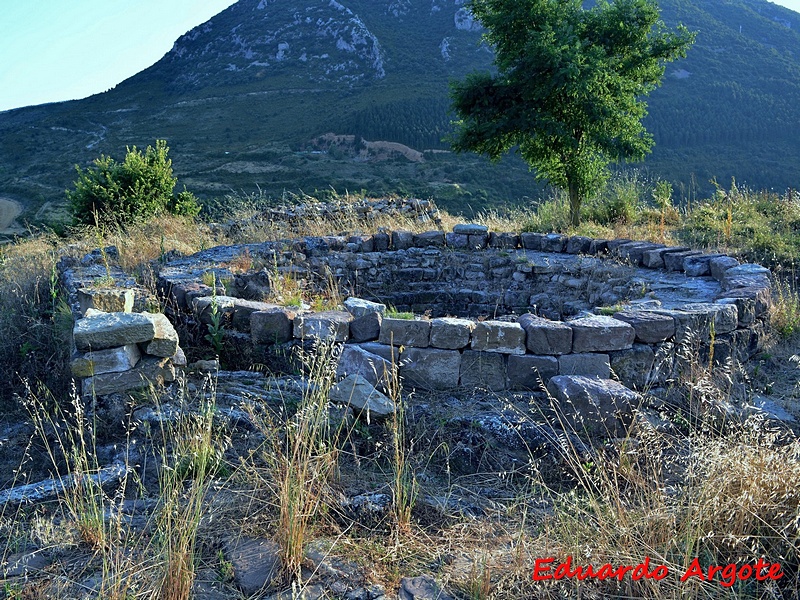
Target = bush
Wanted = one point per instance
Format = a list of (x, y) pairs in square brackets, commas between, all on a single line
[(112, 193)]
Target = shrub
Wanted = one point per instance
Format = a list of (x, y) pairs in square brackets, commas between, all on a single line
[(113, 193)]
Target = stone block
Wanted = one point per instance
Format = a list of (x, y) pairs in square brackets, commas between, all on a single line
[(503, 240), (483, 370), (111, 360), (402, 239), (477, 241), (718, 265), (329, 325), (599, 333), (358, 393), (274, 326), (354, 360), (654, 259), (203, 307), (698, 265), (165, 338), (724, 317), (546, 337), (650, 327), (105, 299), (673, 261), (598, 247), (498, 336), (366, 328), (390, 353), (457, 240), (532, 241), (554, 242), (746, 275), (633, 367), (242, 309), (450, 333), (595, 407), (380, 242), (359, 307), (616, 243), (402, 332), (430, 368), (428, 238), (100, 330), (578, 244), (150, 370), (470, 229), (633, 252), (530, 372), (589, 364)]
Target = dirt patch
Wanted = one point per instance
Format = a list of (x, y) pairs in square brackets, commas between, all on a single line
[(9, 211)]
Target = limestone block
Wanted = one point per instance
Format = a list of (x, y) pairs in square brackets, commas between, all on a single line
[(477, 241), (654, 259), (633, 367), (380, 242), (450, 333), (554, 242), (718, 265), (503, 240), (242, 309), (530, 372), (616, 243), (361, 395), (366, 328), (329, 325), (100, 330), (105, 299), (470, 229), (699, 265), (402, 239), (746, 275), (599, 333), (498, 336), (402, 332), (598, 247), (359, 307), (673, 261), (597, 407), (483, 370), (165, 338), (429, 238), (532, 241), (650, 327), (578, 244), (546, 337), (724, 317), (203, 307), (150, 370), (354, 360), (589, 364), (430, 368), (112, 360), (390, 353), (457, 240), (633, 252), (273, 326)]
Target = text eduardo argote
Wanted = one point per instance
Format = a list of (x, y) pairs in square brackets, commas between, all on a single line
[(546, 569)]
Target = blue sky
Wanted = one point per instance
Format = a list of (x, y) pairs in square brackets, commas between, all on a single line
[(53, 50)]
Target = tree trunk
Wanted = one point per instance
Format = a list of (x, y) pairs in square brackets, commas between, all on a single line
[(574, 203)]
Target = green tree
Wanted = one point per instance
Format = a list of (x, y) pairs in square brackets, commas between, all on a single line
[(114, 193), (569, 86)]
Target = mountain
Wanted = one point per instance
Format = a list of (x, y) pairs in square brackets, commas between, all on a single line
[(290, 95)]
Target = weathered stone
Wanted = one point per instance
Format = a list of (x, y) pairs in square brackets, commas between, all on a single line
[(546, 337), (354, 360), (359, 307), (450, 333), (498, 336), (532, 241), (654, 259), (100, 330), (430, 368), (423, 587), (554, 242), (150, 370), (402, 239), (457, 240), (650, 327), (616, 243), (366, 328), (589, 364), (470, 229), (597, 247), (165, 338), (530, 372), (718, 265), (105, 299), (673, 261), (746, 275), (483, 370), (179, 358), (633, 252), (330, 325), (599, 333), (403, 332), (724, 317), (596, 407), (477, 241), (242, 309), (256, 563), (429, 238), (390, 353), (112, 360), (274, 326), (578, 244), (698, 265), (380, 242), (355, 391), (205, 306), (633, 366), (503, 240)]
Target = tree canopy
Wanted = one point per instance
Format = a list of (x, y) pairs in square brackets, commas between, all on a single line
[(569, 86)]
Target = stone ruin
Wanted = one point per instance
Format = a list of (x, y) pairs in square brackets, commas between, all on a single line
[(493, 310)]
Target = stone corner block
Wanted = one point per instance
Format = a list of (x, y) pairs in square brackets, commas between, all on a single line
[(498, 336)]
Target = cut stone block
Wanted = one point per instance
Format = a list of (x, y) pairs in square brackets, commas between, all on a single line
[(498, 336), (203, 307), (530, 372), (165, 338), (361, 395), (430, 368), (402, 239), (105, 299), (470, 229), (699, 265), (354, 360), (554, 242), (720, 264), (360, 308), (100, 330), (112, 360), (274, 326), (586, 364), (242, 309), (546, 337), (330, 325), (450, 333), (402, 332), (366, 328), (724, 317), (633, 367), (483, 370), (390, 353), (150, 370), (673, 261), (578, 244), (746, 275), (596, 407), (650, 327), (429, 238), (532, 241), (503, 240), (599, 333)]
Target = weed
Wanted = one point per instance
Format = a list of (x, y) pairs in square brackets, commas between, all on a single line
[(216, 329)]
